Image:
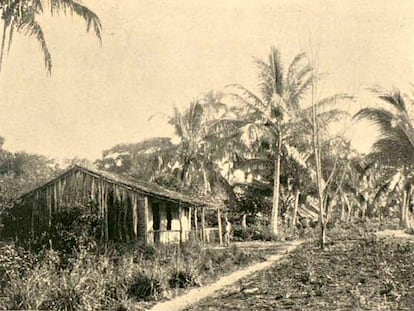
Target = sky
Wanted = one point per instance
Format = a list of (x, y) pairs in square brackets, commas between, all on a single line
[(156, 54)]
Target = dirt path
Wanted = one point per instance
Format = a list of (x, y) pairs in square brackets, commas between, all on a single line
[(196, 294)]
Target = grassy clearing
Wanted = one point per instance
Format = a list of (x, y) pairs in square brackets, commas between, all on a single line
[(116, 280), (356, 272)]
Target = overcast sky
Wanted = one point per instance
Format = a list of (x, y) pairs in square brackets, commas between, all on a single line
[(156, 54)]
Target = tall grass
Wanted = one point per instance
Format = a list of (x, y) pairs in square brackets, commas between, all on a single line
[(88, 280)]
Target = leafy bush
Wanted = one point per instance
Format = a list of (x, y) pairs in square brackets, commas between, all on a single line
[(147, 285), (254, 233), (14, 262), (71, 228), (184, 278), (85, 285), (145, 252)]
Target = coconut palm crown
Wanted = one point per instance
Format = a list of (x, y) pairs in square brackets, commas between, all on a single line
[(395, 145)]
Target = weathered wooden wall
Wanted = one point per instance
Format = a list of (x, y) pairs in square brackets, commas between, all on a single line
[(125, 214), (118, 206)]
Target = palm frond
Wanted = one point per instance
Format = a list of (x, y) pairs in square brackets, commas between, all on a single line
[(3, 42), (253, 133), (292, 71), (11, 32), (277, 70), (21, 16), (393, 97), (377, 116), (271, 80), (265, 81), (298, 157), (249, 99), (194, 116), (30, 27), (71, 6), (332, 101), (327, 117), (296, 92)]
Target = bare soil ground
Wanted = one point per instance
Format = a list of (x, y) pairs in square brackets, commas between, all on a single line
[(363, 272), (279, 251)]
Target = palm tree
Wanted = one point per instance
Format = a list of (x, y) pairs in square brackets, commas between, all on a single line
[(278, 117), (275, 109), (20, 16), (189, 127), (198, 148), (395, 146)]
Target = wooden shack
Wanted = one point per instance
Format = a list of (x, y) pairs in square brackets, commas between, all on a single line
[(129, 209)]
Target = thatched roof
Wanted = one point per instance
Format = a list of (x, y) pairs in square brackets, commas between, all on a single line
[(146, 188)]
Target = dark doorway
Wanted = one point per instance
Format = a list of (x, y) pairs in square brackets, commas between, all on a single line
[(156, 221), (169, 217)]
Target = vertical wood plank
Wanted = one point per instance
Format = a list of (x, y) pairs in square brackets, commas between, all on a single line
[(196, 223), (146, 220), (190, 211), (136, 220), (203, 224), (219, 225), (180, 218)]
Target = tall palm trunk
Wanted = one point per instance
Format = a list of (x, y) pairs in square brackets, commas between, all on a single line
[(318, 164), (295, 208), (276, 186)]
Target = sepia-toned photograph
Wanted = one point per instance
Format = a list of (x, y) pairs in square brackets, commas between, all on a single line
[(206, 155)]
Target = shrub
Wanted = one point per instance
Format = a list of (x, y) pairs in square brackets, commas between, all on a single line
[(84, 285), (145, 252), (72, 227), (183, 278), (147, 285), (15, 262), (254, 233)]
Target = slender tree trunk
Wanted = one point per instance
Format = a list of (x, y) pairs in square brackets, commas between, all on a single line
[(349, 214), (364, 209), (244, 221), (408, 213), (219, 226), (342, 212), (316, 148), (402, 210), (276, 186), (184, 170), (405, 217), (295, 208), (207, 187), (348, 207)]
